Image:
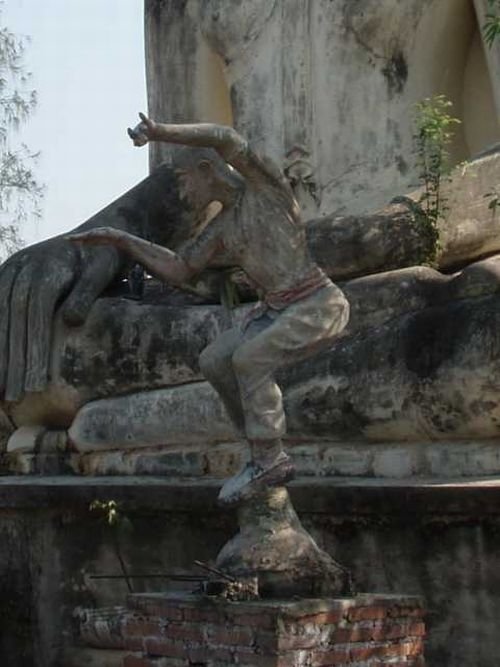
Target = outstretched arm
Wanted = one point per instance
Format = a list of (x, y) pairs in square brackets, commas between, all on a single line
[(158, 261), (233, 148), (222, 138)]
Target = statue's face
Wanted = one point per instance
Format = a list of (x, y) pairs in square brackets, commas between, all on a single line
[(195, 188), (203, 183)]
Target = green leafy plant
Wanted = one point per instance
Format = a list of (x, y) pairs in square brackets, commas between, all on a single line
[(109, 511), (491, 27), (433, 133)]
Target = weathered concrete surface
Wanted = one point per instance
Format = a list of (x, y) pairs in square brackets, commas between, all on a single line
[(470, 228), (6, 429), (439, 540), (431, 374), (129, 348), (89, 657), (312, 458), (123, 347), (336, 79), (59, 276), (185, 414), (349, 169), (427, 375), (28, 601), (351, 246), (136, 345)]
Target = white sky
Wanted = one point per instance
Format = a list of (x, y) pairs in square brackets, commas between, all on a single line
[(87, 60)]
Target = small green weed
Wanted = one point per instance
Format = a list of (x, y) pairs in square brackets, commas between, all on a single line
[(432, 135)]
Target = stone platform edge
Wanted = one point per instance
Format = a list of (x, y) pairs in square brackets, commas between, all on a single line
[(312, 458), (479, 497)]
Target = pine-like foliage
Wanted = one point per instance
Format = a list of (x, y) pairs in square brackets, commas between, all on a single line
[(491, 27), (20, 191)]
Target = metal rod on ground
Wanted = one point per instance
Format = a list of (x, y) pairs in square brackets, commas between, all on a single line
[(173, 577), (214, 570)]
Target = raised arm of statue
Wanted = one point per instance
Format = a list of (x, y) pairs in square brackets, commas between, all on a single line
[(224, 139), (232, 147)]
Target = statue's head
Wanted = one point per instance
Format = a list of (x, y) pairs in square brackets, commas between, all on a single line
[(203, 177)]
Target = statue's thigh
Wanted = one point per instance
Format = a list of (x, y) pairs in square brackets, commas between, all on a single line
[(217, 356), (296, 333)]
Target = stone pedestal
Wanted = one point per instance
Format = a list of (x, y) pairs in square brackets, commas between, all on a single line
[(273, 545), (179, 630)]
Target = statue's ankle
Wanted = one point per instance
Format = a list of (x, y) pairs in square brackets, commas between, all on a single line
[(265, 452)]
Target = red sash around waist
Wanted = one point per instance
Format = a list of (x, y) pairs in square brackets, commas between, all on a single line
[(313, 281)]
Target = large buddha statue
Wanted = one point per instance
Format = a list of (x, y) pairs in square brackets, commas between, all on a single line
[(327, 89)]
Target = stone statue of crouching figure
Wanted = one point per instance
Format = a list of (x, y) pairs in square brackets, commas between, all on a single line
[(260, 230)]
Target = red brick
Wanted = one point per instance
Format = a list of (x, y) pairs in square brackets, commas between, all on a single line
[(351, 634), (227, 634), (400, 631), (252, 659), (202, 615), (143, 627), (322, 618), (406, 649), (367, 614), (206, 654), (133, 643), (291, 659), (257, 620), (158, 646), (230, 635), (386, 650), (156, 607), (404, 612), (143, 661), (364, 652), (338, 655), (266, 641), (185, 631), (413, 648), (297, 642), (135, 661), (377, 631)]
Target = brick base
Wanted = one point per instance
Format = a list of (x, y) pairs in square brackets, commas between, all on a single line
[(181, 630)]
